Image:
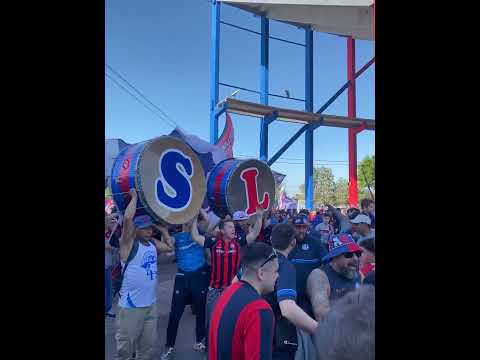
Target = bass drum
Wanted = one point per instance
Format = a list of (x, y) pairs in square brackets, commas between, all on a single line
[(167, 175), (235, 185)]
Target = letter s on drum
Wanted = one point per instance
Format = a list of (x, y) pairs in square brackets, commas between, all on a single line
[(173, 189)]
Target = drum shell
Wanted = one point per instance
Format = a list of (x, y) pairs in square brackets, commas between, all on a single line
[(137, 166), (123, 178), (226, 193)]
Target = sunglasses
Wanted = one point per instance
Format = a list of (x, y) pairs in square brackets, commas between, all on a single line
[(350, 255), (272, 256)]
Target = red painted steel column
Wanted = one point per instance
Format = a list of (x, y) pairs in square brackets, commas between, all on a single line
[(352, 135)]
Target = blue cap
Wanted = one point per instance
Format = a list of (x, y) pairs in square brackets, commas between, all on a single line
[(300, 220), (340, 244), (143, 221)]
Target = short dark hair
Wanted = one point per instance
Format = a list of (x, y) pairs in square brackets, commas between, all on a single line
[(255, 253), (282, 236), (368, 243), (222, 223), (348, 330), (352, 213), (365, 203)]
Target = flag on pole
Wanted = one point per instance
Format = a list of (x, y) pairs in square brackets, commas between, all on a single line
[(285, 202), (227, 138)]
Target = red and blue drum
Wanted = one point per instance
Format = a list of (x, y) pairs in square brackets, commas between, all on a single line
[(167, 175), (235, 185)]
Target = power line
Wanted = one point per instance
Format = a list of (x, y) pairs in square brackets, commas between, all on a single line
[(334, 162), (136, 98), (141, 94)]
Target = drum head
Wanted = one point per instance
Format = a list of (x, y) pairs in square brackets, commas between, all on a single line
[(243, 196), (170, 180)]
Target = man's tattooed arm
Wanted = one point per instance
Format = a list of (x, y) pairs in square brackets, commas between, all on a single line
[(318, 290)]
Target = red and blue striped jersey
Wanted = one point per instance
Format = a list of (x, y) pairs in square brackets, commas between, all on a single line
[(242, 325)]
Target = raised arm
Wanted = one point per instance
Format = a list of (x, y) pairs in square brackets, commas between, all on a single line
[(318, 291), (257, 227), (170, 241), (166, 244), (204, 215), (342, 220), (128, 231), (199, 239)]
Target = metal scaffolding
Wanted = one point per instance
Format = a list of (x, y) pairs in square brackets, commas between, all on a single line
[(311, 120)]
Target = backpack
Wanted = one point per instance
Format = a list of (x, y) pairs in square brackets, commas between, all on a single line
[(118, 273)]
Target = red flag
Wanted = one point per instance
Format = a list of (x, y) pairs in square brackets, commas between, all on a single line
[(226, 139)]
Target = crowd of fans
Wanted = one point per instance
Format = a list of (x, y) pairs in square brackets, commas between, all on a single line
[(275, 285)]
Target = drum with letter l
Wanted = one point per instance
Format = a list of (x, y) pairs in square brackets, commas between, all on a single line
[(167, 175), (235, 185)]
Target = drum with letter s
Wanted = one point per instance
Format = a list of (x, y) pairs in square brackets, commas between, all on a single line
[(235, 185), (167, 175)]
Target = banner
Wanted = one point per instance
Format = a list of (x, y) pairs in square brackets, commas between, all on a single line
[(227, 138), (285, 202)]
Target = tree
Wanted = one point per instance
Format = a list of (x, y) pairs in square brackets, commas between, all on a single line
[(366, 169), (341, 192), (301, 192), (323, 186)]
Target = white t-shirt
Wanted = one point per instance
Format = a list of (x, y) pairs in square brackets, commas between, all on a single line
[(140, 280)]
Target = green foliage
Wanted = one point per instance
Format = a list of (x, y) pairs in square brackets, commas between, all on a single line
[(366, 169), (341, 192)]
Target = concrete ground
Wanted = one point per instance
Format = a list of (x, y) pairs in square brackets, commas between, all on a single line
[(186, 330)]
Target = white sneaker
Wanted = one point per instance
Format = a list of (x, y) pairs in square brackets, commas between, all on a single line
[(199, 347), (168, 354)]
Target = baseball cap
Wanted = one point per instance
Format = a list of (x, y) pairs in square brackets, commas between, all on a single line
[(339, 245), (143, 221), (240, 215), (361, 218), (300, 220)]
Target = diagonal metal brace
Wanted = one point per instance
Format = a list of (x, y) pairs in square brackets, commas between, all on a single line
[(362, 127), (221, 110)]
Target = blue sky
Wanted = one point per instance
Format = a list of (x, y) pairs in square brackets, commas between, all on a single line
[(163, 48)]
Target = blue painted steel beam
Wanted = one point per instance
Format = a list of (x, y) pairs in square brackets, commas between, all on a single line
[(267, 120), (334, 97), (305, 127), (287, 144), (221, 110), (214, 70), (259, 33), (309, 108), (264, 87)]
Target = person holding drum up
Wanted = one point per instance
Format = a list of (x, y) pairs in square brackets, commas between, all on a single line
[(137, 317), (191, 281), (225, 256)]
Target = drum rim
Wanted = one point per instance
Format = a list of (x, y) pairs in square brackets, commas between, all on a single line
[(117, 160), (229, 181), (217, 166), (139, 184)]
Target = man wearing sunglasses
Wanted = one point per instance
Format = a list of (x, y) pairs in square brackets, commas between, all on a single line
[(242, 323), (339, 274)]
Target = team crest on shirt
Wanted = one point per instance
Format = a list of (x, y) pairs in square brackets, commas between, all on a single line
[(149, 263), (305, 247)]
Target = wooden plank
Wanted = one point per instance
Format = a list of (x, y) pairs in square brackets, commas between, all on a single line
[(296, 116)]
